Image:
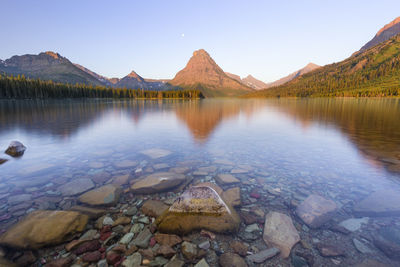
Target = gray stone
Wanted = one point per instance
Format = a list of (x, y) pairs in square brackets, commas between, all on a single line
[(15, 149), (126, 238), (175, 262), (76, 187), (133, 260), (102, 263), (263, 255), (354, 224), (252, 228), (131, 211), (379, 203), (13, 200), (360, 246), (143, 239), (108, 221), (136, 228), (204, 245), (316, 210), (156, 153), (202, 263), (388, 240), (189, 250), (158, 182)]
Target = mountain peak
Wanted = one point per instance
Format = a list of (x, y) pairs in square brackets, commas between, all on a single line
[(385, 33), (133, 74), (201, 52), (53, 54), (388, 26)]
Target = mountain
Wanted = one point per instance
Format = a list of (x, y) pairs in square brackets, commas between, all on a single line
[(47, 66), (135, 81), (101, 78), (372, 72), (309, 67), (202, 73), (248, 81), (387, 32)]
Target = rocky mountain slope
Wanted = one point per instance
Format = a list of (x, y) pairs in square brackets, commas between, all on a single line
[(202, 73), (249, 81), (388, 31), (309, 67)]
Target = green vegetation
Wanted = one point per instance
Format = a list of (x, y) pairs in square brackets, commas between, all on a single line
[(372, 73), (20, 87)]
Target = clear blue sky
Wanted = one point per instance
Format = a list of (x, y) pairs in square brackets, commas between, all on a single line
[(268, 39)]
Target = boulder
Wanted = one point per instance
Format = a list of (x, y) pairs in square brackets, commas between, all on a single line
[(103, 196), (15, 149), (226, 179), (153, 208), (158, 182), (189, 250), (156, 153), (316, 210), (44, 227), (3, 161), (379, 203), (388, 240), (93, 213), (198, 208), (280, 232), (213, 186), (76, 187)]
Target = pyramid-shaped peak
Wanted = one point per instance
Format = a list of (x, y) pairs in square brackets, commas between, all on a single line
[(201, 52), (53, 54), (133, 74)]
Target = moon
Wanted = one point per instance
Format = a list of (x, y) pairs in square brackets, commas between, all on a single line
[(182, 35)]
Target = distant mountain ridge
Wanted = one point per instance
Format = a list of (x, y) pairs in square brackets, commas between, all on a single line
[(249, 81), (309, 67), (202, 73), (385, 33)]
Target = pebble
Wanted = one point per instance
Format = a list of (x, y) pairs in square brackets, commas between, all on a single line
[(263, 255)]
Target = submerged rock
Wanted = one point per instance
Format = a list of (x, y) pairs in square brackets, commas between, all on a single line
[(232, 196), (156, 153), (379, 203), (388, 240), (102, 196), (226, 179), (15, 149), (3, 160), (263, 255), (153, 208), (316, 210), (354, 224), (44, 227), (231, 259), (198, 208), (280, 232), (158, 182), (76, 187)]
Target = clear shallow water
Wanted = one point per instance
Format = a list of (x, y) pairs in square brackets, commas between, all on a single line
[(340, 148)]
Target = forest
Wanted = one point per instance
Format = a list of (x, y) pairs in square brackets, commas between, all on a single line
[(371, 73), (19, 87)]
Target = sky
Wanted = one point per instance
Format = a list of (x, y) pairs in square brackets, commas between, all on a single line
[(156, 38)]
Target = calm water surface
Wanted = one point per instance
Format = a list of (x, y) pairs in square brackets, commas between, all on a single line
[(340, 148)]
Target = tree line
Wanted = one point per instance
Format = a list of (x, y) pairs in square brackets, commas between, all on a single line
[(20, 87)]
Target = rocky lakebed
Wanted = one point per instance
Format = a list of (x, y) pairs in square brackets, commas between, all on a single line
[(164, 211)]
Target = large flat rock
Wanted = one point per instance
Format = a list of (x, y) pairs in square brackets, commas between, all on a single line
[(156, 153), (102, 196), (43, 228), (226, 179), (158, 182), (76, 187), (379, 203), (280, 232), (316, 210), (198, 208)]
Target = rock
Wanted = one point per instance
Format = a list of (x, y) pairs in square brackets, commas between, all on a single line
[(89, 235), (15, 149), (316, 210), (202, 263), (94, 256), (204, 245), (102, 263), (87, 246), (158, 182), (263, 255), (143, 239), (13, 200), (388, 240), (231, 259), (165, 251), (175, 262), (327, 250), (252, 228), (156, 153), (136, 228), (371, 263), (379, 203), (126, 238), (280, 232), (3, 161), (361, 247), (120, 180), (189, 250), (159, 261), (226, 179), (61, 262), (93, 213), (167, 240), (76, 187), (153, 208), (125, 164), (353, 224), (213, 186), (42, 228), (102, 196), (6, 263), (239, 248), (113, 257), (123, 220), (26, 259), (108, 221), (133, 260), (198, 208), (131, 211), (232, 196)]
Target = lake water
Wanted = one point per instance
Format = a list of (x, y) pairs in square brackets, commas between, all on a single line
[(342, 149)]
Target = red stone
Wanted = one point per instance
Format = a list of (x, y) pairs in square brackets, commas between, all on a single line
[(113, 258), (152, 242), (255, 195), (94, 256), (88, 246), (104, 236)]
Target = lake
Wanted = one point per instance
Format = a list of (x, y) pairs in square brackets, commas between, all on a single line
[(284, 149)]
